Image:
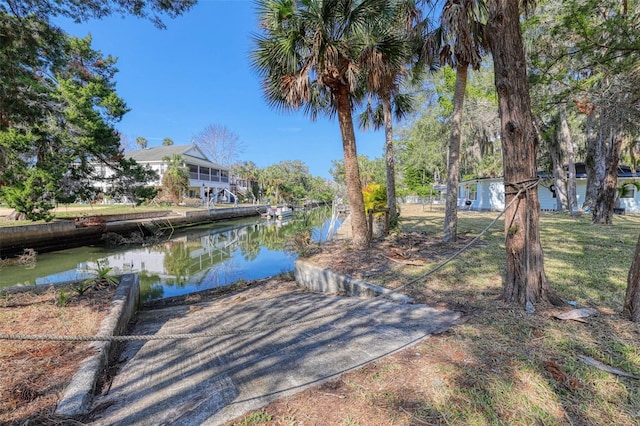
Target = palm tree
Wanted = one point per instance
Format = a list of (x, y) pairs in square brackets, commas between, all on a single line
[(271, 179), (387, 59), (459, 42), (308, 56), (175, 180), (141, 142), (249, 171)]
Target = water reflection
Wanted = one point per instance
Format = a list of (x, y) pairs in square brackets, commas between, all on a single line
[(198, 259)]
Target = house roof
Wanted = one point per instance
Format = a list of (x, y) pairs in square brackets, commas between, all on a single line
[(625, 171), (581, 171), (192, 154)]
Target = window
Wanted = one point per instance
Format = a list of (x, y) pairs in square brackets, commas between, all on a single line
[(215, 175), (628, 191), (472, 191), (193, 172), (204, 173), (224, 175)]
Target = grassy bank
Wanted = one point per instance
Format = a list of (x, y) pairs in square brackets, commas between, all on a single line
[(500, 365)]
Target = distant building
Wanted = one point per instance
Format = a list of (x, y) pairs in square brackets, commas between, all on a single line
[(206, 178), (243, 187), (488, 193)]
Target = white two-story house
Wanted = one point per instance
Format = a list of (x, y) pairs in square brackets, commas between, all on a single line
[(207, 180)]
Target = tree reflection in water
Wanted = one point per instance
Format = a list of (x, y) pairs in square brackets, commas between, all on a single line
[(195, 259), (218, 256)]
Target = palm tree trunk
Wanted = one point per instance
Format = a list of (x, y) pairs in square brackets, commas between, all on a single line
[(352, 173), (632, 296), (453, 177), (390, 161), (525, 280)]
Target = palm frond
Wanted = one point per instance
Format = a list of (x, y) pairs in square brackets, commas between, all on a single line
[(403, 105), (463, 41)]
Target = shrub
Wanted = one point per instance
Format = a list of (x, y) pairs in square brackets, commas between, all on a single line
[(375, 197)]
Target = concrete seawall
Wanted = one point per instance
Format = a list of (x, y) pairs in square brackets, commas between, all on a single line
[(66, 233), (45, 237)]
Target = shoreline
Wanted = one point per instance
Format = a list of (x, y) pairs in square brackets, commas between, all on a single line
[(88, 229)]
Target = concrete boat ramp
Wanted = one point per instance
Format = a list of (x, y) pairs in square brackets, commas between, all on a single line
[(212, 380)]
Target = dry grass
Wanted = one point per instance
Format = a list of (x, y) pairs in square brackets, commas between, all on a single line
[(34, 374), (501, 365)]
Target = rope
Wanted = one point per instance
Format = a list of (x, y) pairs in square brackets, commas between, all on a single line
[(477, 237), (524, 186)]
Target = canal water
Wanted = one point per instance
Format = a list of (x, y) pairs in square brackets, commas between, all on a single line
[(191, 260)]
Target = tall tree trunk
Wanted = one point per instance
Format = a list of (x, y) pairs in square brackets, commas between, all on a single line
[(453, 176), (603, 209), (572, 193), (593, 181), (635, 147), (632, 296), (559, 175), (352, 173), (525, 281), (602, 146), (389, 158)]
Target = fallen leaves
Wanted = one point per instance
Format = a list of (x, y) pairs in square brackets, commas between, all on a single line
[(575, 314), (562, 379)]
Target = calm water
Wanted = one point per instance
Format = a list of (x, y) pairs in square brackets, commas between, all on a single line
[(204, 257)]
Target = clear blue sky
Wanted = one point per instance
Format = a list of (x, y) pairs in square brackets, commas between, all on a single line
[(196, 73)]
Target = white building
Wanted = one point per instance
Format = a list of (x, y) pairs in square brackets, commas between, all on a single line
[(488, 193), (206, 178)]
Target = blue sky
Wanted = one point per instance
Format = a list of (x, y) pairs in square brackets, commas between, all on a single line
[(196, 73)]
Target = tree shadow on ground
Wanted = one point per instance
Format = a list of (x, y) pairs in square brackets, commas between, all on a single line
[(218, 377)]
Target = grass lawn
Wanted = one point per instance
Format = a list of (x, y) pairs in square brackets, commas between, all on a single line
[(500, 366)]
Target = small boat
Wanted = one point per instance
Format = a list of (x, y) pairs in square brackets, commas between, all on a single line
[(279, 212)]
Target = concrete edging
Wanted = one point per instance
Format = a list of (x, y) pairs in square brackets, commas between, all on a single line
[(327, 281), (77, 397)]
